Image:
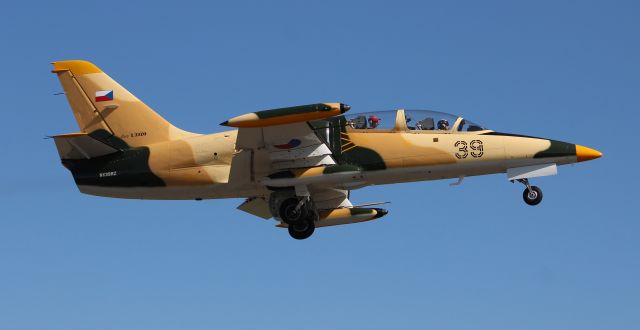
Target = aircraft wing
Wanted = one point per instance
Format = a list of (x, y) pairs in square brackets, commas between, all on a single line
[(290, 146), (285, 152)]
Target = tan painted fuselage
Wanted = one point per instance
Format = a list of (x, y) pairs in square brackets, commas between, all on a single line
[(203, 166)]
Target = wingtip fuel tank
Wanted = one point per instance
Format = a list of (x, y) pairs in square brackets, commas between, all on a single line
[(282, 116)]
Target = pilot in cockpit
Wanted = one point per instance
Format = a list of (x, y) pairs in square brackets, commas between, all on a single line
[(443, 125), (374, 121), (408, 120)]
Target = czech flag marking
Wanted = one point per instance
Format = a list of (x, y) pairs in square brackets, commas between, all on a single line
[(104, 96), (291, 144)]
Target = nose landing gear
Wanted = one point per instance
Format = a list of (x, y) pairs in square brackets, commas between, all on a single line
[(532, 195)]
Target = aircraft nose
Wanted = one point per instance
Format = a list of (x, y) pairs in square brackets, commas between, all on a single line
[(583, 153)]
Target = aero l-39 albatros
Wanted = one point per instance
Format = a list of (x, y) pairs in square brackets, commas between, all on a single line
[(296, 165)]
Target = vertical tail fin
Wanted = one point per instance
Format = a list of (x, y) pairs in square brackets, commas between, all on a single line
[(101, 105)]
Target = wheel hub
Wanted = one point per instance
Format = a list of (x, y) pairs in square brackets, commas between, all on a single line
[(292, 212)]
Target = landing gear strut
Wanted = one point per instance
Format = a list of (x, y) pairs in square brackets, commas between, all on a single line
[(532, 195), (293, 210), (299, 215)]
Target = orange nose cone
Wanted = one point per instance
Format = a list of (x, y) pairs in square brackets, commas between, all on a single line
[(583, 153)]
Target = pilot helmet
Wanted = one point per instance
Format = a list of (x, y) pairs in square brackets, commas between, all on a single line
[(443, 124), (374, 119)]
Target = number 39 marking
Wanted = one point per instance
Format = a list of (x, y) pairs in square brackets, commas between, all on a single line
[(477, 149)]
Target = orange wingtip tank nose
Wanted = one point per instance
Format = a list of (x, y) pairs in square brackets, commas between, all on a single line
[(583, 153)]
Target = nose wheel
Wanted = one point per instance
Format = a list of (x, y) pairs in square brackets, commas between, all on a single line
[(532, 195)]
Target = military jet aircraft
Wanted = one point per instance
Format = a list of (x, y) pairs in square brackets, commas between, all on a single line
[(296, 165)]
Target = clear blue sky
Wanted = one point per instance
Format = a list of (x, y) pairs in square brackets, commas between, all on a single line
[(470, 257)]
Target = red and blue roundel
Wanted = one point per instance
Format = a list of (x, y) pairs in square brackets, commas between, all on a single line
[(291, 144)]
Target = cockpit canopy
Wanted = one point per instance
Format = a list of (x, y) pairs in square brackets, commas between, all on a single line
[(372, 120), (413, 120)]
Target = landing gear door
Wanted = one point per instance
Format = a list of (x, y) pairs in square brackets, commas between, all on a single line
[(243, 162), (329, 132), (242, 167)]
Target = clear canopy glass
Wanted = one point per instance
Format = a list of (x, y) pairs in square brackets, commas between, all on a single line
[(416, 120), (469, 126), (426, 120), (372, 120)]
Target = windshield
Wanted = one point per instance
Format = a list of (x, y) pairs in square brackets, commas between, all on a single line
[(469, 126)]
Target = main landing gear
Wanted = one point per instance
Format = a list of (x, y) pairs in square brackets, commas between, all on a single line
[(300, 216), (532, 195)]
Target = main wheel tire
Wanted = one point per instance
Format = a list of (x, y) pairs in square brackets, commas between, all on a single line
[(533, 197), (302, 230), (288, 212)]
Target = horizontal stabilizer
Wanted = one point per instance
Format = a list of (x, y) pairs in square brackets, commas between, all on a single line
[(81, 146)]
